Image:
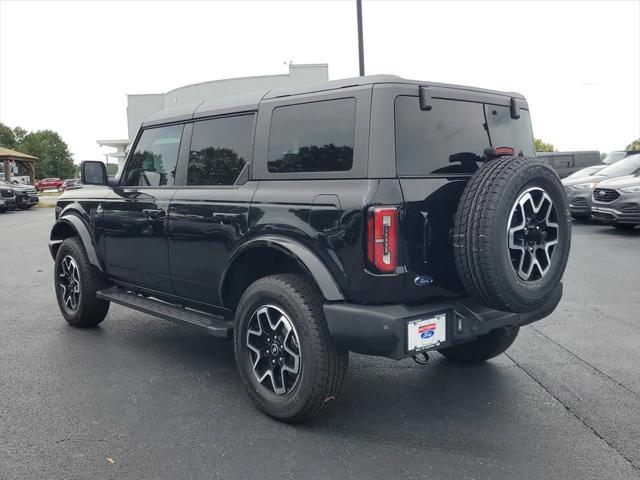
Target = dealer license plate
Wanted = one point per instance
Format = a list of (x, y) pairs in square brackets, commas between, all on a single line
[(426, 333)]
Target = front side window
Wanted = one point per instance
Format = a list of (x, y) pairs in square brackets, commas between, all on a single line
[(312, 137), (220, 148), (153, 163)]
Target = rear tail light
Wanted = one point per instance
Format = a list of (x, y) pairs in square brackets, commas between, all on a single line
[(504, 151), (382, 242), (498, 152)]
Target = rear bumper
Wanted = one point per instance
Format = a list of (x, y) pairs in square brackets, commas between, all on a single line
[(381, 330)]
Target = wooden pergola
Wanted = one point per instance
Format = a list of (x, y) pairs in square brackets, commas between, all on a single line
[(7, 156)]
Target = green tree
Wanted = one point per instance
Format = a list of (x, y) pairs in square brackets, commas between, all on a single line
[(543, 147), (54, 158), (19, 133), (112, 168), (635, 145), (7, 137)]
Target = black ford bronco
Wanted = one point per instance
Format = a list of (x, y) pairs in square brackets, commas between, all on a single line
[(375, 215)]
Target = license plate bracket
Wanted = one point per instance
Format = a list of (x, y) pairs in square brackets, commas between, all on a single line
[(427, 333)]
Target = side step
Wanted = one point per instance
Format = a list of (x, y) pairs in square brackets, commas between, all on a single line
[(212, 324)]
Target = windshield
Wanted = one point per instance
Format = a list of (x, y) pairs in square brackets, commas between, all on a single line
[(628, 166), (613, 157), (452, 136), (585, 172)]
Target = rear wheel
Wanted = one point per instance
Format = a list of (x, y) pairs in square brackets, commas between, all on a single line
[(482, 348), (290, 365), (76, 282)]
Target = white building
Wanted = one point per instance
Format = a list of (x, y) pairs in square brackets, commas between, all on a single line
[(141, 106)]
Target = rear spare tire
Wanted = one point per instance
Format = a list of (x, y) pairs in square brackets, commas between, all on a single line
[(512, 233)]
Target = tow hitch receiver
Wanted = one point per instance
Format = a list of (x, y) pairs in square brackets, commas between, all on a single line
[(421, 358)]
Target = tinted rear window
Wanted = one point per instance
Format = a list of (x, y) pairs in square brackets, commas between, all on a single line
[(312, 137), (449, 138), (509, 132)]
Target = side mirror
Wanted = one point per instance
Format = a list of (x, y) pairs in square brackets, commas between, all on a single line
[(93, 173)]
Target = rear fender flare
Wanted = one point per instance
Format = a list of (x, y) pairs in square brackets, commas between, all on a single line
[(303, 256)]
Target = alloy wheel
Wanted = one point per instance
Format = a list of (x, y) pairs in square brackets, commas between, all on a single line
[(69, 282), (273, 347), (532, 234)]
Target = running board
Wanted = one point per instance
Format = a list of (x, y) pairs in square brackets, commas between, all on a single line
[(212, 324)]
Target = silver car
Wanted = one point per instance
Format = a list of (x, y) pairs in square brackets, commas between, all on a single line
[(580, 190), (617, 202)]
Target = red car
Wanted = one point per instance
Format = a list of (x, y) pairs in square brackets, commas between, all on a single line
[(47, 183)]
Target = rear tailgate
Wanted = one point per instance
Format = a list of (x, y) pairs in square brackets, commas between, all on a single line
[(437, 150)]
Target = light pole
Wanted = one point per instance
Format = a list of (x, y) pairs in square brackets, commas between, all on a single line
[(360, 45)]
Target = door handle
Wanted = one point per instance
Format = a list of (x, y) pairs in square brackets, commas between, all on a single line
[(153, 213), (225, 217)]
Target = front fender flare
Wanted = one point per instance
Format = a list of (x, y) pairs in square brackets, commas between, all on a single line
[(73, 221), (303, 256)]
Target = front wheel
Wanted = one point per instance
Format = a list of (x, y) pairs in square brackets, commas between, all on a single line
[(290, 365), (76, 283), (484, 347)]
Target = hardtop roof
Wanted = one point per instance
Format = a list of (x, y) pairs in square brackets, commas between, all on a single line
[(250, 101)]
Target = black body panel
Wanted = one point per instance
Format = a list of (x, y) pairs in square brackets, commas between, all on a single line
[(205, 226), (132, 231)]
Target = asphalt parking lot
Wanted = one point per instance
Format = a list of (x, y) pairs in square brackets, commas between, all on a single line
[(140, 398)]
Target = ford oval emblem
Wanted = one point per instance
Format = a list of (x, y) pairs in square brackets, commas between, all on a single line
[(423, 280)]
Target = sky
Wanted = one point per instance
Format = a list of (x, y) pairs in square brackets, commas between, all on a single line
[(68, 66)]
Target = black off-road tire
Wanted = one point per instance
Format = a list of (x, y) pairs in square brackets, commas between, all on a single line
[(323, 364), (480, 240), (482, 348), (90, 310)]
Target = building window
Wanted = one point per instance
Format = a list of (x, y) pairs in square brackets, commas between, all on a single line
[(312, 137)]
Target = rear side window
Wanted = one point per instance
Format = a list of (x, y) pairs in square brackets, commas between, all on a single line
[(312, 137), (452, 136), (153, 163), (220, 148)]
